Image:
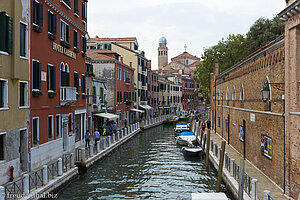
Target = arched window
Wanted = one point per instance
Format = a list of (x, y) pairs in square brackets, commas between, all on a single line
[(242, 94), (64, 74), (233, 93), (227, 94)]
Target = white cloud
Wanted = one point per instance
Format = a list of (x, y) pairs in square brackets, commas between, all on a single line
[(197, 23)]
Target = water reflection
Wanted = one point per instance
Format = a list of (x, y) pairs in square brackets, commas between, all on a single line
[(150, 166)]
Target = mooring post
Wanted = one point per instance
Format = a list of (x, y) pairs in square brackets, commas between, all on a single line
[(207, 146), (267, 194), (2, 193), (221, 167), (254, 189), (241, 179)]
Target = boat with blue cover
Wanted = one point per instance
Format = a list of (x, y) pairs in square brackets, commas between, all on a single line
[(185, 138), (180, 127)]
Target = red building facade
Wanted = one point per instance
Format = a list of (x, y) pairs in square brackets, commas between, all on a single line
[(153, 100), (58, 104), (189, 94)]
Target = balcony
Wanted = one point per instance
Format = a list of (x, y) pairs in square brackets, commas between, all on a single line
[(128, 103), (67, 95), (127, 81)]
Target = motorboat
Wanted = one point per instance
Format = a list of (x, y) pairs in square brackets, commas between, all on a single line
[(185, 138), (192, 151), (180, 127), (171, 120)]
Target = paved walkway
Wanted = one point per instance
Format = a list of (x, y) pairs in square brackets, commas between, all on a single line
[(263, 183)]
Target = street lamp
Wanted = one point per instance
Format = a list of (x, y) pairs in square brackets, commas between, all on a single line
[(265, 93)]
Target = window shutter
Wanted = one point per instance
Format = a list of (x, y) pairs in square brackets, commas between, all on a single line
[(48, 77), (22, 39), (68, 33), (9, 34), (75, 39), (53, 79), (2, 31), (67, 78), (49, 22), (54, 22), (40, 15), (83, 10), (39, 75), (33, 11)]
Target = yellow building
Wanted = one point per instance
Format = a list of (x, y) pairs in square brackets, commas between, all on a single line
[(14, 87)]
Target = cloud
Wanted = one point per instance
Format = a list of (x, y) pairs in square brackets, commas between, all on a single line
[(197, 23)]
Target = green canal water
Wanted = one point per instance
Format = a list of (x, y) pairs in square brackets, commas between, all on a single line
[(149, 166)]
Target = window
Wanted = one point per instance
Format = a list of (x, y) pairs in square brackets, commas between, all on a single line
[(83, 11), (76, 81), (70, 123), (241, 133), (83, 44), (23, 40), (120, 74), (58, 126), (51, 78), (64, 74), (88, 96), (76, 10), (66, 3), (50, 127), (64, 32), (83, 85), (36, 75), (76, 39), (52, 21), (3, 93), (101, 95), (242, 97), (233, 93), (94, 95), (23, 93), (6, 33), (37, 14), (227, 94), (35, 131), (2, 137), (266, 146)]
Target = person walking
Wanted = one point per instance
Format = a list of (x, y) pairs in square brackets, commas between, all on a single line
[(114, 128), (87, 139), (96, 136), (104, 129)]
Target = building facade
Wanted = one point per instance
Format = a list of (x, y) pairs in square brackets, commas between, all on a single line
[(189, 94), (120, 83), (252, 125), (14, 88), (58, 108)]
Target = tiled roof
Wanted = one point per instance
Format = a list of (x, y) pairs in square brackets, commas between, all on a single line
[(128, 39), (186, 55), (95, 55)]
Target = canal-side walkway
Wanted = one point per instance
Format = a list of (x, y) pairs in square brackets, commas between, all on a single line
[(51, 177), (233, 156)]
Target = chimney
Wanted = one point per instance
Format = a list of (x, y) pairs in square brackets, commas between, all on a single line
[(149, 64), (97, 36), (121, 59), (216, 68), (130, 64)]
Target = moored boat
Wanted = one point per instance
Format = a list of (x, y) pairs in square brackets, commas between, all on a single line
[(192, 151), (182, 127), (185, 138)]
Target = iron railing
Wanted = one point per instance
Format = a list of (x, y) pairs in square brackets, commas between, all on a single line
[(36, 179), (14, 190), (66, 162), (52, 170)]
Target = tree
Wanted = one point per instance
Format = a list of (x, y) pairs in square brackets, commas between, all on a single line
[(262, 32)]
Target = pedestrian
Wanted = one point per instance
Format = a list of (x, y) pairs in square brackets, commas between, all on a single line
[(96, 136), (203, 126), (114, 128), (87, 139), (104, 129), (208, 124), (125, 122)]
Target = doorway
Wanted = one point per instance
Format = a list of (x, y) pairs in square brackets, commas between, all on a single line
[(23, 151)]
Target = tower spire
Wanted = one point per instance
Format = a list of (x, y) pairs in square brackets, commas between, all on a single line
[(185, 48)]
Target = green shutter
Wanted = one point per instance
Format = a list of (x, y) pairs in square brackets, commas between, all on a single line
[(54, 22), (53, 81), (50, 27), (2, 31), (9, 25), (39, 75), (22, 40), (40, 14)]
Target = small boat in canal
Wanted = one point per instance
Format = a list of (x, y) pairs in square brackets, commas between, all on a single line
[(182, 127), (184, 117), (192, 151), (171, 120), (185, 138)]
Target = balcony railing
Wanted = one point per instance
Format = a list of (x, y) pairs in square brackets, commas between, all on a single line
[(127, 81), (128, 103), (67, 95)]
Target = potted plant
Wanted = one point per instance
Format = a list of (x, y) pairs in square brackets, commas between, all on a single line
[(51, 94), (37, 93)]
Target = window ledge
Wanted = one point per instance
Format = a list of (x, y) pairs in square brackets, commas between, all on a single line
[(65, 4), (6, 108), (23, 107), (4, 53), (37, 28), (65, 44), (51, 36), (76, 15), (25, 58)]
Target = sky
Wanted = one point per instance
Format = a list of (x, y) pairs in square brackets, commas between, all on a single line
[(197, 23)]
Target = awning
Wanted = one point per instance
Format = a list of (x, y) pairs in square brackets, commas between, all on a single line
[(146, 107), (107, 115), (136, 110)]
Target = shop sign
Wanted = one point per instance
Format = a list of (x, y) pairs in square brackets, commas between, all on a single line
[(62, 50)]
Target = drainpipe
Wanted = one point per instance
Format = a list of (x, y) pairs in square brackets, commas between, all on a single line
[(283, 115)]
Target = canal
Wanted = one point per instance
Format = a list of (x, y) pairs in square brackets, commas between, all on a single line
[(149, 166)]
